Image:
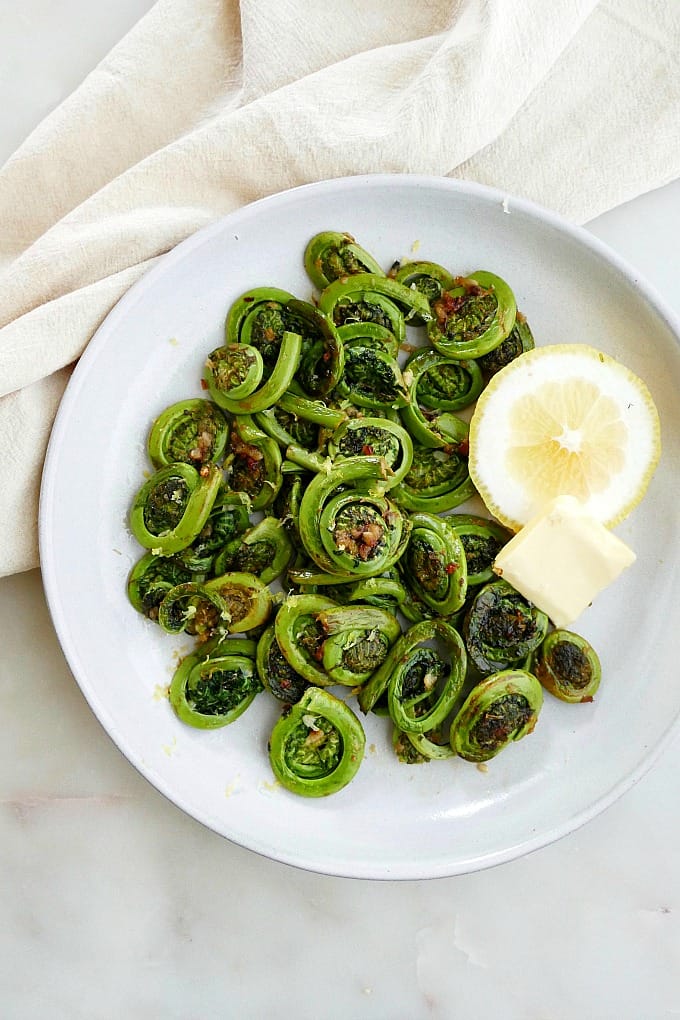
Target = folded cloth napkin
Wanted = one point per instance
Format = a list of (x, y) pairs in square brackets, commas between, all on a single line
[(209, 104)]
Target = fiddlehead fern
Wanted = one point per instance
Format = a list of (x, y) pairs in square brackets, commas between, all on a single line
[(424, 680), (151, 579), (264, 550), (502, 628), (482, 540), (499, 710), (357, 641), (438, 480), (171, 508), (331, 255), (519, 341), (300, 636), (567, 666), (434, 565), (275, 672), (347, 525), (212, 689), (254, 464), (473, 318), (374, 437), (190, 432), (317, 745)]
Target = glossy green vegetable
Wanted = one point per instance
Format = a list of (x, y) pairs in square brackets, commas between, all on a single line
[(356, 641), (374, 437), (247, 598), (254, 463), (275, 672), (280, 378), (434, 565), (567, 666), (212, 688), (191, 432), (151, 579), (331, 255), (424, 681), (264, 550), (347, 525), (317, 745), (428, 278), (437, 481), (482, 541), (473, 318), (502, 628), (429, 427), (300, 636), (418, 748), (196, 609), (499, 710), (519, 341), (171, 508), (228, 518), (371, 377), (367, 297), (232, 372)]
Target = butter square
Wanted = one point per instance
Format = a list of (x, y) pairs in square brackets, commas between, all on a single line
[(562, 559)]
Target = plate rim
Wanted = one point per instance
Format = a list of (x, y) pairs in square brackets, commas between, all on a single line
[(357, 868)]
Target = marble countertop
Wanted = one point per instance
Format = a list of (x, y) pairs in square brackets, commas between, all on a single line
[(116, 904)]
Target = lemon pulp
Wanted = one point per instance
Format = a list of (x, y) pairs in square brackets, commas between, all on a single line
[(563, 420)]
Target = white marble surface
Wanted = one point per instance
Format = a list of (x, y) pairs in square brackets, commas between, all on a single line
[(115, 904)]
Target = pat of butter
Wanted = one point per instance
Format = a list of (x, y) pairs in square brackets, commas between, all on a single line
[(562, 559)]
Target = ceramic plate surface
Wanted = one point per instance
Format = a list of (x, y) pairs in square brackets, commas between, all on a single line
[(392, 821)]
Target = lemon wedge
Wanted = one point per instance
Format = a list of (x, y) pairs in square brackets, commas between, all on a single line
[(565, 420)]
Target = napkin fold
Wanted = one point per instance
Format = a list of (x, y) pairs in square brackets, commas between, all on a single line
[(210, 104)]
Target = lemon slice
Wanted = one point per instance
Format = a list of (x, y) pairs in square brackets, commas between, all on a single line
[(565, 420)]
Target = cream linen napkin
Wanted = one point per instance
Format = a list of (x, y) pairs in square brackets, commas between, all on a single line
[(209, 104)]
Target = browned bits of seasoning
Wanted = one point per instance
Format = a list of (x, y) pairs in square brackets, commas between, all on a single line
[(204, 384), (367, 450), (451, 568)]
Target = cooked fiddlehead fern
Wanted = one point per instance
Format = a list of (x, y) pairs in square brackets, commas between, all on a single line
[(428, 278), (499, 710), (231, 372), (196, 609), (473, 318), (317, 745), (191, 432), (275, 672), (331, 255), (502, 628), (519, 341), (254, 464), (259, 318), (347, 524), (433, 427), (567, 666), (434, 565), (300, 636), (357, 641), (366, 297), (151, 579), (415, 672), (416, 748), (482, 540), (374, 437), (228, 518), (371, 377), (264, 550), (438, 480), (442, 384), (171, 508), (212, 688), (247, 598), (280, 378)]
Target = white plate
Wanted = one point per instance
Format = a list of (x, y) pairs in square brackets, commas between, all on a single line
[(392, 821)]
